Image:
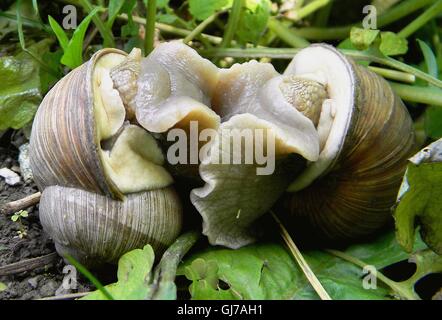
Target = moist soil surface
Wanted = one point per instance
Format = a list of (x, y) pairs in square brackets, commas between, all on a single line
[(41, 282)]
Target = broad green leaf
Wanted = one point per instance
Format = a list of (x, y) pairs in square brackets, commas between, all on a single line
[(420, 199), (3, 287), (73, 55), (137, 280), (113, 11), (268, 271), (362, 39), (20, 92), (202, 9), (59, 33), (392, 44), (253, 21), (134, 276)]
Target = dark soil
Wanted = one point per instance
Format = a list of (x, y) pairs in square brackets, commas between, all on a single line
[(39, 283)]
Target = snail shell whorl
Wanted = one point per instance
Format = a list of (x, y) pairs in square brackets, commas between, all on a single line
[(65, 133), (101, 229), (355, 197), (97, 203)]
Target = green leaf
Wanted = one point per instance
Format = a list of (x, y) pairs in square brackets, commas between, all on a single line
[(136, 279), (433, 122), (430, 59), (362, 39), (267, 271), (420, 199), (392, 44), (202, 9), (3, 287), (161, 4), (131, 28), (253, 21), (113, 11), (20, 92), (23, 213), (73, 55), (59, 32), (15, 217), (134, 275)]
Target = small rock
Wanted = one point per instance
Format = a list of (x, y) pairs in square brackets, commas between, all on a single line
[(25, 165), (48, 289), (11, 178), (33, 282)]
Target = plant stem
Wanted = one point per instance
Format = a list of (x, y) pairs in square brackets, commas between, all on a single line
[(199, 29), (301, 261), (169, 29), (105, 32), (286, 34), (149, 37), (289, 53), (394, 14), (396, 287), (394, 75), (310, 8), (419, 94), (420, 21), (165, 272), (232, 23)]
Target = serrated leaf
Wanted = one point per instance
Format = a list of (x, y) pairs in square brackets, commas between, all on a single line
[(268, 271), (253, 21), (362, 39), (392, 44), (420, 199)]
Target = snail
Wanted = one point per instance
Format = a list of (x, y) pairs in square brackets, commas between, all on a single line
[(349, 191), (334, 135), (105, 190), (356, 152)]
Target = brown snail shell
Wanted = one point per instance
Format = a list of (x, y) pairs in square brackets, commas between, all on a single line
[(67, 134), (102, 229), (104, 188), (349, 192)]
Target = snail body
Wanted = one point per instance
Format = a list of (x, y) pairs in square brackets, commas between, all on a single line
[(101, 177)]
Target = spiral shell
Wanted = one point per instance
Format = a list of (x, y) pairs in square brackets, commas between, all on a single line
[(349, 192), (101, 229), (104, 188)]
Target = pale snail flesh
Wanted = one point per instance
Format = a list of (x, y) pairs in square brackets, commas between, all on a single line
[(324, 107), (101, 177)]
